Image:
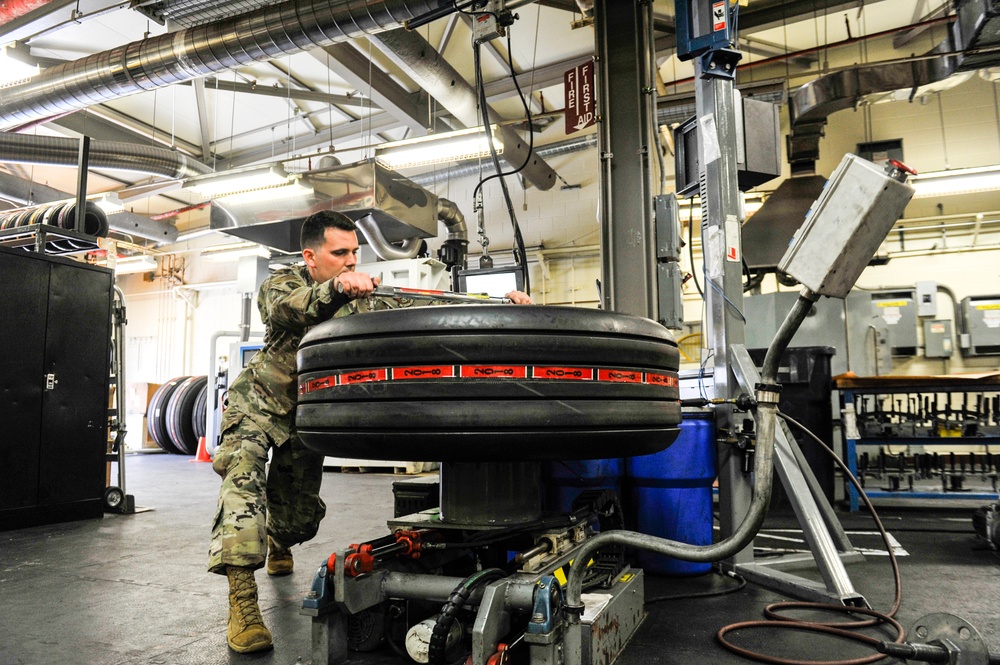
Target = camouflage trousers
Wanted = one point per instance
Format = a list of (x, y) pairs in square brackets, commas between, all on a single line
[(282, 501)]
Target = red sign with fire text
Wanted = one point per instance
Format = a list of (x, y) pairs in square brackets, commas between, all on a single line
[(579, 97)]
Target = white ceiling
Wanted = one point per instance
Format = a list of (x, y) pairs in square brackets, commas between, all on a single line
[(240, 127)]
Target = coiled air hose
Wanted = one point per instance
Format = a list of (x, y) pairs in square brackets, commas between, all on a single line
[(459, 597)]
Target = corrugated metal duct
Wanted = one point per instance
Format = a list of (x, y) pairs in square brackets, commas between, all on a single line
[(57, 151), (188, 54), (225, 44)]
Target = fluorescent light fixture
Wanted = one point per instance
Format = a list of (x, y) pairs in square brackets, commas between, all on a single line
[(134, 264), (956, 181), (233, 251), (285, 190), (437, 148), (212, 185)]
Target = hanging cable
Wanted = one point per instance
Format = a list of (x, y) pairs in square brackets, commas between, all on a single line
[(520, 255), (780, 621)]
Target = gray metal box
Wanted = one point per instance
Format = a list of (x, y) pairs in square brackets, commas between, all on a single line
[(669, 242), (845, 227), (669, 299), (849, 326), (898, 311), (937, 339), (981, 316), (926, 298)]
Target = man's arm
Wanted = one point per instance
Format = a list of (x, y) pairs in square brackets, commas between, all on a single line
[(291, 304)]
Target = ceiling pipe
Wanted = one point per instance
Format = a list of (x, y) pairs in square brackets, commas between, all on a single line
[(384, 249), (473, 167), (25, 192), (424, 64), (59, 151), (176, 57)]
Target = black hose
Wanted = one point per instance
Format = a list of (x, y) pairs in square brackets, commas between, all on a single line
[(438, 646), (798, 313)]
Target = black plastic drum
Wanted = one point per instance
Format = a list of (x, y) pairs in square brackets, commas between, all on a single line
[(482, 383)]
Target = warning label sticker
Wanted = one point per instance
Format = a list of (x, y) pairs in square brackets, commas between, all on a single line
[(892, 315), (718, 16)]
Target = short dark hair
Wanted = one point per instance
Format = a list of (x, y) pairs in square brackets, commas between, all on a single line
[(313, 232)]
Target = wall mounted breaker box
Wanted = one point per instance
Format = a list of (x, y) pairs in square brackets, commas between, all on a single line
[(898, 311), (981, 323), (937, 338)]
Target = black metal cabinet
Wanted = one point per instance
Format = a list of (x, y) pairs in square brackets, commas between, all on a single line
[(55, 346)]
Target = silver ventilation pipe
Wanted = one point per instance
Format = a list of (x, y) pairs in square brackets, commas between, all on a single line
[(473, 167), (58, 151), (456, 247), (265, 33), (25, 192), (384, 249), (453, 220)]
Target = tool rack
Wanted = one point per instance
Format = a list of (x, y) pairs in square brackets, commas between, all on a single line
[(935, 411)]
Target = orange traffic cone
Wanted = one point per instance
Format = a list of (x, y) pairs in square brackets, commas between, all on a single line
[(202, 455)]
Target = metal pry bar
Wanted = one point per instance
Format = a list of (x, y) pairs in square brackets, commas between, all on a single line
[(433, 294)]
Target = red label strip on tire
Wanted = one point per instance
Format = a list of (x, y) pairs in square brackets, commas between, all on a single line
[(546, 372)]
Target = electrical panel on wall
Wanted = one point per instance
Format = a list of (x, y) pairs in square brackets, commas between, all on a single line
[(937, 339), (898, 310), (981, 319)]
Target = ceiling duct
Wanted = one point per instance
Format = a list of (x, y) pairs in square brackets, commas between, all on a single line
[(975, 33), (188, 54), (364, 190), (58, 151)]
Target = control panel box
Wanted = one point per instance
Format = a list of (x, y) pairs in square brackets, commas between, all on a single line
[(981, 316), (898, 311), (937, 339), (845, 227)]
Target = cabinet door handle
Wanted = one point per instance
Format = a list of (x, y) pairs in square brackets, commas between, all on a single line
[(50, 381)]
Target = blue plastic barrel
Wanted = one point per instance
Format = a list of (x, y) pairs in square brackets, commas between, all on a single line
[(671, 494), (565, 480)]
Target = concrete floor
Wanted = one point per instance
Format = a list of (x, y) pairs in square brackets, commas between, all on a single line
[(133, 589)]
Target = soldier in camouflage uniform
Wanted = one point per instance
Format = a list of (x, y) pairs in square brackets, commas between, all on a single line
[(264, 515), (261, 515)]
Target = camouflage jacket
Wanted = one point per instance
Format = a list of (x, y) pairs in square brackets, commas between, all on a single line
[(290, 303)]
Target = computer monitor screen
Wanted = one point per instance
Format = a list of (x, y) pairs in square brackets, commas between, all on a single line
[(247, 353), (495, 282)]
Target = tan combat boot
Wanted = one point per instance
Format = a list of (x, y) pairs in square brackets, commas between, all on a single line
[(279, 559), (246, 632)]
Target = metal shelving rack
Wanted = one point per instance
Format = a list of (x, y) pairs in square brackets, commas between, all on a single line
[(922, 423), (47, 239)]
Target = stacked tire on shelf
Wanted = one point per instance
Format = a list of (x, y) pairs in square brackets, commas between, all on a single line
[(176, 414)]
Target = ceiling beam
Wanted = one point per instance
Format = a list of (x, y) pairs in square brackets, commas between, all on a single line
[(347, 63), (53, 15), (410, 51), (202, 103), (542, 77), (254, 88), (375, 123)]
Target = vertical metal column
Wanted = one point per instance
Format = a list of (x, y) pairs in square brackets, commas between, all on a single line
[(722, 253), (628, 261), (83, 163)]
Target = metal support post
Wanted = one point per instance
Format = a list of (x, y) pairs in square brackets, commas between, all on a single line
[(822, 530), (723, 279), (625, 145), (83, 163)]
